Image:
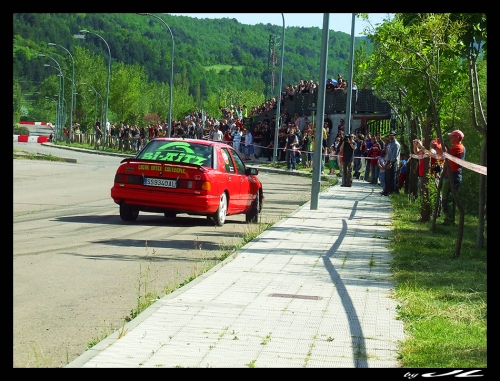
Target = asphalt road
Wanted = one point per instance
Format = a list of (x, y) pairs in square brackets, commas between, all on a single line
[(79, 270)]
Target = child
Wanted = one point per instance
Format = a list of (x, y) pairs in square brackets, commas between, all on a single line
[(332, 159)]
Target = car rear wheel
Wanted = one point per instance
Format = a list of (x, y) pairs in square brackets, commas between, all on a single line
[(253, 215), (220, 215), (127, 213)]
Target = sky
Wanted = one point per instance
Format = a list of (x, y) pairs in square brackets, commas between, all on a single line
[(339, 22)]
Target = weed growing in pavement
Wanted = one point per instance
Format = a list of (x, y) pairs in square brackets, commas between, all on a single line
[(103, 332), (40, 360)]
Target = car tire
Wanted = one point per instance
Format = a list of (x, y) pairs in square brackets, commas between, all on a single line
[(219, 216), (253, 215), (127, 213), (170, 214)]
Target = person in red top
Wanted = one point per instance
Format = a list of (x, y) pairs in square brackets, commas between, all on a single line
[(457, 150)]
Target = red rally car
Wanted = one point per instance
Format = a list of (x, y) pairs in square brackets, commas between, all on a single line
[(197, 177)]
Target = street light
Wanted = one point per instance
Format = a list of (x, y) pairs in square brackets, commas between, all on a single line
[(96, 93), (171, 71), (84, 31), (86, 106), (62, 108), (61, 113), (57, 115), (278, 108), (72, 90)]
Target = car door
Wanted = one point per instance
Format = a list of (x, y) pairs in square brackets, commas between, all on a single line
[(233, 181), (246, 196)]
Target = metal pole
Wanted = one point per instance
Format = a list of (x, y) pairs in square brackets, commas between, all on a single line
[(107, 91), (318, 138), (96, 93), (278, 107), (61, 112), (349, 88), (171, 71), (72, 91), (61, 107)]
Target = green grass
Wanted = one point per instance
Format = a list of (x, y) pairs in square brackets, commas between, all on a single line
[(442, 300), (218, 68)]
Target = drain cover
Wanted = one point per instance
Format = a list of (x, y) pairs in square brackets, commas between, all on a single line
[(294, 296)]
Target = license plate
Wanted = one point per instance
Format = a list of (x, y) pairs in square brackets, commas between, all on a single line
[(160, 183)]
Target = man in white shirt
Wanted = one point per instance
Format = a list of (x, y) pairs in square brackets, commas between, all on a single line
[(217, 136)]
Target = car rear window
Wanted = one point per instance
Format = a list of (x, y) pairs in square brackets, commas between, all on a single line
[(178, 152)]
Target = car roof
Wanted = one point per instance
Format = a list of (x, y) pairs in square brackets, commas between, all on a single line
[(195, 141)]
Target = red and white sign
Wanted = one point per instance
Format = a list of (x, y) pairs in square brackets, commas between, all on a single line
[(31, 139)]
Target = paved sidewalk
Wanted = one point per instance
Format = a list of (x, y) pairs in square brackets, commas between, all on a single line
[(314, 290)]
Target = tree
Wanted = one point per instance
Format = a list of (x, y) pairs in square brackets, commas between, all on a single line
[(474, 48), (421, 52)]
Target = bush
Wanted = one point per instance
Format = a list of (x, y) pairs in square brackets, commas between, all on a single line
[(21, 130)]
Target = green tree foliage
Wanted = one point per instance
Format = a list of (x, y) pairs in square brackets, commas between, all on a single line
[(145, 41)]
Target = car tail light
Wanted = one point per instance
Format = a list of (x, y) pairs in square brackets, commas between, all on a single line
[(128, 179), (181, 183), (194, 185)]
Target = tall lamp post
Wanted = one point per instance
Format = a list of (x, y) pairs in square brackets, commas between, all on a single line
[(61, 112), (72, 91), (61, 99), (57, 115), (171, 71), (86, 106), (278, 108), (84, 31), (96, 93)]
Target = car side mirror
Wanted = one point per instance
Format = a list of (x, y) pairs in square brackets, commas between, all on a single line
[(251, 171)]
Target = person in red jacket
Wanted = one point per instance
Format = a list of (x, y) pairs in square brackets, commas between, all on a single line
[(457, 150)]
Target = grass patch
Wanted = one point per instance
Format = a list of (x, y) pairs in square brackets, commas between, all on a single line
[(25, 155), (442, 299), (218, 68)]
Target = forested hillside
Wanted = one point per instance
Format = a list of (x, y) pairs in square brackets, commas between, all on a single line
[(200, 44)]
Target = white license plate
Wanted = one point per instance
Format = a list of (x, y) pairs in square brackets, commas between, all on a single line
[(160, 182)]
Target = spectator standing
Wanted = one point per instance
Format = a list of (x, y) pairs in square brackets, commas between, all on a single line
[(392, 158), (457, 150), (257, 140), (374, 154), (368, 146), (329, 87), (98, 134), (332, 160), (290, 147), (305, 144), (248, 145), (266, 139), (337, 143), (380, 141), (347, 149), (341, 126), (358, 152), (227, 137), (381, 163), (419, 149), (329, 123), (236, 137)]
